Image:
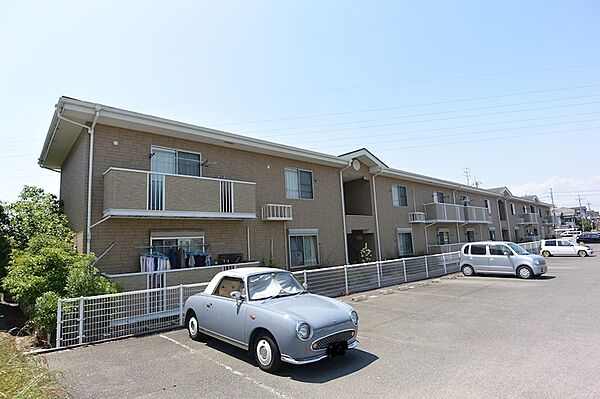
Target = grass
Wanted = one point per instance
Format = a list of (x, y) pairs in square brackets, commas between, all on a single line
[(24, 376)]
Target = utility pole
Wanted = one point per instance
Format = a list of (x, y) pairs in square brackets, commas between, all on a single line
[(467, 175), (553, 209), (581, 213)]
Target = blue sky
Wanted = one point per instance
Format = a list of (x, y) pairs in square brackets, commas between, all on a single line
[(508, 89)]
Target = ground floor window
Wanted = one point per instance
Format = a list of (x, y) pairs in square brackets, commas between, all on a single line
[(189, 244), (443, 236), (304, 250), (470, 235), (492, 234), (405, 245)]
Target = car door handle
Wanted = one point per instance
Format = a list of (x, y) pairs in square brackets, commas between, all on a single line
[(209, 305)]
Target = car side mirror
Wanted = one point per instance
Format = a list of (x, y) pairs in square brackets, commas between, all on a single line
[(236, 295), (305, 285)]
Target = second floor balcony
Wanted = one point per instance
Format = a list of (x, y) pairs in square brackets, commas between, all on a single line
[(139, 193), (528, 218), (451, 213)]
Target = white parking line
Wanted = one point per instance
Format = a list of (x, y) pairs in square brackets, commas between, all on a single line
[(238, 373)]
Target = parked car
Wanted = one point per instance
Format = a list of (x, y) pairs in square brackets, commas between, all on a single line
[(500, 257), (571, 233), (588, 237), (269, 313), (564, 247)]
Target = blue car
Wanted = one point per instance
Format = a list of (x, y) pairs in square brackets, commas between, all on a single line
[(269, 313)]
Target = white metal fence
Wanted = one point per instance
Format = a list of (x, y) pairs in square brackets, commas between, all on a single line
[(92, 319)]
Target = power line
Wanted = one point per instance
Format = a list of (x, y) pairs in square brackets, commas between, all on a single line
[(491, 139), (412, 105)]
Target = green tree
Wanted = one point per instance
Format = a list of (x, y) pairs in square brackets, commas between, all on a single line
[(4, 242), (35, 213)]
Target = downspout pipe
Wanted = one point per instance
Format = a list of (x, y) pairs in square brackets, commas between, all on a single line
[(90, 130), (376, 215), (344, 212)]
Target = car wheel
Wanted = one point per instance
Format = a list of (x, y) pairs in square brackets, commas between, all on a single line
[(545, 254), (524, 272), (267, 353), (193, 326), (468, 270), (582, 253)]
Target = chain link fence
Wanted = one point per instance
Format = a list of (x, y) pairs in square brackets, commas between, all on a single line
[(93, 319)]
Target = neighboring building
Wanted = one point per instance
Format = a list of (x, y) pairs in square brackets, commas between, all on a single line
[(161, 185)]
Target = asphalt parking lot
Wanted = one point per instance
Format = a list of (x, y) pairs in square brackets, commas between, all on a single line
[(460, 337)]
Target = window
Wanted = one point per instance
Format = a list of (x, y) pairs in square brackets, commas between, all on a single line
[(512, 209), (492, 234), (487, 205), (404, 237), (438, 197), (298, 184), (176, 162), (470, 235), (399, 196), (228, 285), (551, 243), (478, 250), (268, 285), (540, 211), (443, 237), (189, 244), (304, 250), (466, 249), (465, 200), (499, 250), (532, 209), (524, 209), (565, 244)]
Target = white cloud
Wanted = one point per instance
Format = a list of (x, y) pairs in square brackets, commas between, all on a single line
[(565, 189)]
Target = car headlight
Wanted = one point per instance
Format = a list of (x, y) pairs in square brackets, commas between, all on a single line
[(354, 317), (303, 331)]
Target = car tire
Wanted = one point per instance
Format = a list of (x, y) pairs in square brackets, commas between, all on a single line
[(193, 327), (524, 272), (582, 253), (468, 271), (266, 353), (546, 254)]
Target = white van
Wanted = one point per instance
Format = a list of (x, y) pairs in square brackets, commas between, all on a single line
[(564, 247)]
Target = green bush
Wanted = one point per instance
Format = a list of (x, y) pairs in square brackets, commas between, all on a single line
[(44, 314)]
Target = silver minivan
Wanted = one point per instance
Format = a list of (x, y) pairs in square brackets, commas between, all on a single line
[(500, 257)]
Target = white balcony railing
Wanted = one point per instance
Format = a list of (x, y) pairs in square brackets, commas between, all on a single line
[(277, 212), (417, 217), (528, 218)]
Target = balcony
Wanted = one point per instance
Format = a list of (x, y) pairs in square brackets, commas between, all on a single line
[(551, 220), (276, 212), (444, 213), (139, 193), (476, 214), (528, 218), (417, 217), (365, 223)]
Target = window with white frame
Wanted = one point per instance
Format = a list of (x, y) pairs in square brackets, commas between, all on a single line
[(470, 234), (178, 162), (405, 244), (524, 209), (512, 209), (465, 200), (488, 205), (443, 236), (165, 245), (304, 248), (298, 184), (492, 233), (399, 197), (438, 197)]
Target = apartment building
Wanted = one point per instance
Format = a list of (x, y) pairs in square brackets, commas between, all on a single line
[(135, 185)]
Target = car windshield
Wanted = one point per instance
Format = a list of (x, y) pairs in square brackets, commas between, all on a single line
[(271, 285), (518, 249)]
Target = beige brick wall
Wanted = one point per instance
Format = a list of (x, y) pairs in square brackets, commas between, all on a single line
[(73, 188), (132, 151)]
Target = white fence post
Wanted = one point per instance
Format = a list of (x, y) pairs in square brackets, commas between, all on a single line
[(346, 277), (305, 279), (426, 267), (404, 267), (444, 259), (58, 322), (181, 305), (81, 319), (378, 274)]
